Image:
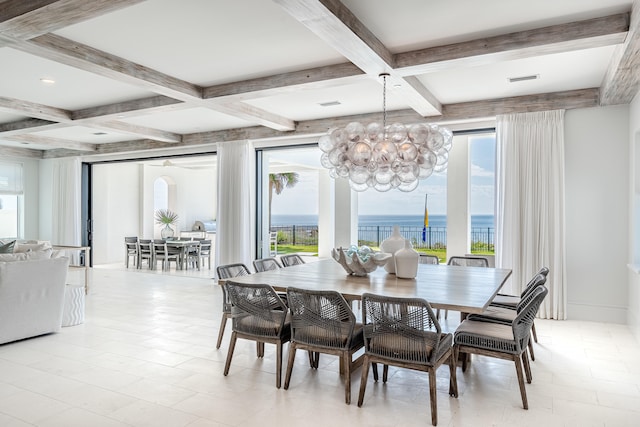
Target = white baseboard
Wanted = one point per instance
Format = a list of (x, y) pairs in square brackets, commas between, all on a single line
[(597, 313)]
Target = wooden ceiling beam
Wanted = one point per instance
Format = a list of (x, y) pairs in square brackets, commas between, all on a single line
[(86, 58), (310, 79), (622, 79), (27, 126), (584, 98), (64, 119), (20, 152), (134, 108), (337, 26), (130, 129), (591, 33), (25, 19), (31, 109), (53, 142)]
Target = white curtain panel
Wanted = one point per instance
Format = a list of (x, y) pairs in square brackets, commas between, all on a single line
[(530, 210), (67, 197), (234, 235)]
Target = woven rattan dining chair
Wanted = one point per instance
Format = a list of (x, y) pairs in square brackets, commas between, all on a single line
[(266, 264), (322, 322), (464, 261), (512, 301), (227, 272), (428, 259), (503, 341), (405, 332), (507, 315), (290, 260), (131, 250), (258, 314)]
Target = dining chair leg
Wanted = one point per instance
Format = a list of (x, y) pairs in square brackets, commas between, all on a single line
[(232, 346), (533, 331), (290, 361), (259, 349), (385, 373), (223, 323), (527, 367), (453, 380), (375, 371), (523, 392), (278, 363), (533, 356), (347, 377), (433, 396), (363, 380)]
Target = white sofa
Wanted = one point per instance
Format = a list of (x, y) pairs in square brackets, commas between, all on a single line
[(31, 294)]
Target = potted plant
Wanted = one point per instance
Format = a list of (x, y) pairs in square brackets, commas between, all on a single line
[(166, 217)]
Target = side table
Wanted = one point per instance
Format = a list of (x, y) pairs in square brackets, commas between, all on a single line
[(73, 313)]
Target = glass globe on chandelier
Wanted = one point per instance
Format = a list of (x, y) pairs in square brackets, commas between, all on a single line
[(384, 157)]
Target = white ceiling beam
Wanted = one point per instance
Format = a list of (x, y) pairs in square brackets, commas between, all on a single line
[(24, 19), (598, 32), (622, 79), (337, 26)]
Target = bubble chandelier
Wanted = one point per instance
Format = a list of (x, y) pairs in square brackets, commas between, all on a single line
[(384, 157)]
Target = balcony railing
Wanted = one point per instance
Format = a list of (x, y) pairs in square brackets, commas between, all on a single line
[(482, 239)]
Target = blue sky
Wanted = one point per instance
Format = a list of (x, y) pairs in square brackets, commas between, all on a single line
[(303, 199)]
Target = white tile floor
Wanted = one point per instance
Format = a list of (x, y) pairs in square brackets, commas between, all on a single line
[(145, 356)]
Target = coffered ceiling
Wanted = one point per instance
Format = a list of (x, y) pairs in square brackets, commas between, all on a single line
[(97, 77)]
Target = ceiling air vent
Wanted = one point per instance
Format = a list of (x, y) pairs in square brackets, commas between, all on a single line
[(329, 104), (99, 133), (523, 78)]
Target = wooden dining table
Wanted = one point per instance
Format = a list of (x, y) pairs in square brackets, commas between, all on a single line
[(463, 289)]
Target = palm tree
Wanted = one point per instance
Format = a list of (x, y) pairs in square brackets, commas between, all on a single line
[(278, 182)]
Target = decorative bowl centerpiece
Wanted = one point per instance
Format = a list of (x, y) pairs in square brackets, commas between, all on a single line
[(359, 261)]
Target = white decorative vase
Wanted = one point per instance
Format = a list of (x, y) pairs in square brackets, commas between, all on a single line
[(391, 245), (406, 261)]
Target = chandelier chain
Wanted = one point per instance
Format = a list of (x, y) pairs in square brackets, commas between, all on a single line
[(384, 103)]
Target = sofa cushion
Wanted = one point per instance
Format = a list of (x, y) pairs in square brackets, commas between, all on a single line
[(25, 256), (7, 247), (30, 247)]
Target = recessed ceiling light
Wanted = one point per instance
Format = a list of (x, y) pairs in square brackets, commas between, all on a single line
[(47, 81), (99, 133), (329, 104), (523, 78)]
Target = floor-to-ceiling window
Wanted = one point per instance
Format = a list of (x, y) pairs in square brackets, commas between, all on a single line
[(289, 200), (420, 214), (482, 167)]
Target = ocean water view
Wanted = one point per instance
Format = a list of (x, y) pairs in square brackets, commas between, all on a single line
[(435, 221)]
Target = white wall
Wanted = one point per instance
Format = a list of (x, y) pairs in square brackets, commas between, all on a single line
[(115, 208), (123, 203), (597, 212), (195, 196), (458, 218), (633, 289)]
